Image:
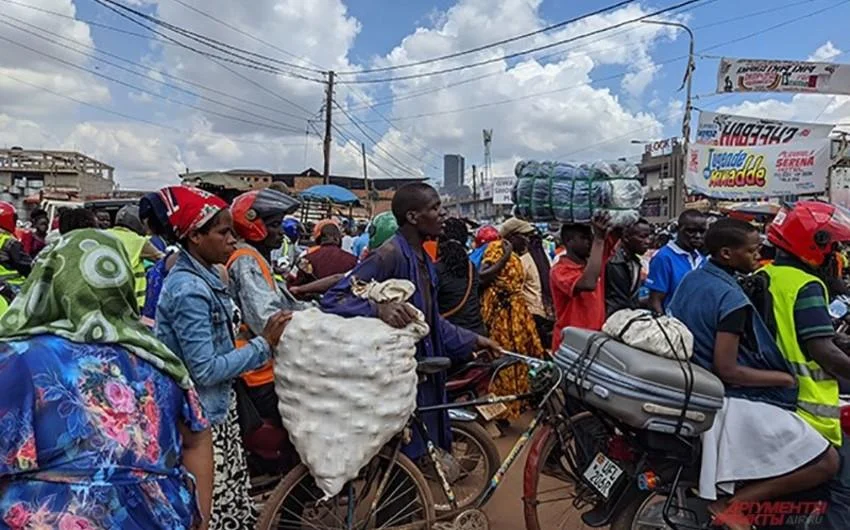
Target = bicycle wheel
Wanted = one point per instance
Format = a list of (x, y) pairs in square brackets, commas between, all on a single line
[(477, 458), (549, 487), (405, 504)]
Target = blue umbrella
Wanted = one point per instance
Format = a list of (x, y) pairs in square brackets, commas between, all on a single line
[(331, 193)]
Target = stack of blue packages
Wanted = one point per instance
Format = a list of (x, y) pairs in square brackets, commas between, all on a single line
[(572, 193)]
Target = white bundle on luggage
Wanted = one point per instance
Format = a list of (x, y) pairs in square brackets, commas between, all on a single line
[(346, 386), (662, 335)]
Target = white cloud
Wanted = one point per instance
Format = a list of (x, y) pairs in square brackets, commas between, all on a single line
[(571, 116), (825, 53)]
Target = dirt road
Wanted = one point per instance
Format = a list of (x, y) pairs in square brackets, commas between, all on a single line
[(505, 509)]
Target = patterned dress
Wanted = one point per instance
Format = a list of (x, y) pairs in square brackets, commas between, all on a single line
[(89, 439), (506, 315)]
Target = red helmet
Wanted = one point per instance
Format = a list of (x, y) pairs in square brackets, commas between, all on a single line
[(8, 217), (250, 208), (809, 230), (486, 234)]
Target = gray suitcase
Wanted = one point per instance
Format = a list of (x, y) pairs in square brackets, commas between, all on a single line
[(643, 390)]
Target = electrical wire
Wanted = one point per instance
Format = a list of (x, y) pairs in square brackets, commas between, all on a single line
[(231, 57), (413, 95), (147, 69), (286, 128), (614, 76), (135, 118), (520, 53), (375, 142), (492, 44), (248, 35), (211, 42), (414, 156)]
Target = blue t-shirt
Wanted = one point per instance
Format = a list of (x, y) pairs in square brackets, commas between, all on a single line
[(667, 268), (360, 244)]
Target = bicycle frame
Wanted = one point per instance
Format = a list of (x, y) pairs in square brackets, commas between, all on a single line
[(518, 446)]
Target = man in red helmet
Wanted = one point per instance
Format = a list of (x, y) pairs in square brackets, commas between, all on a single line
[(15, 264), (805, 236), (257, 219)]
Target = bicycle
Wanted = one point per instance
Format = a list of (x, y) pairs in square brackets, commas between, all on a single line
[(391, 492)]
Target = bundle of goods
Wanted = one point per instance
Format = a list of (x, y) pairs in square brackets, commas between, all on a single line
[(640, 389), (570, 193), (346, 386)]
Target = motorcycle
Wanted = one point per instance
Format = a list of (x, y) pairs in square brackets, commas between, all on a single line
[(649, 480)]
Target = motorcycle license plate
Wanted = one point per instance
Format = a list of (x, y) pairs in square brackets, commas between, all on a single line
[(491, 410), (602, 474)]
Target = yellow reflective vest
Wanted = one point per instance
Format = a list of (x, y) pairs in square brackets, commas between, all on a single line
[(10, 276), (817, 402)]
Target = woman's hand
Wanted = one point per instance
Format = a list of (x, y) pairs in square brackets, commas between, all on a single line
[(788, 381), (275, 326)]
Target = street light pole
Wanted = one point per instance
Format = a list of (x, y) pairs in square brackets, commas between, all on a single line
[(679, 176)]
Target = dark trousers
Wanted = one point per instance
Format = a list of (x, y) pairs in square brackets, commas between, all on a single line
[(545, 327)]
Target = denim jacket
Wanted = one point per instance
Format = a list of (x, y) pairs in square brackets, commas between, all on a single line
[(194, 318)]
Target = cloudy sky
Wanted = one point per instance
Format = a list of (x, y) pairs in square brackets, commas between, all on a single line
[(92, 76)]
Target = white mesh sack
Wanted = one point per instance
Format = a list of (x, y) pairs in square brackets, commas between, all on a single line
[(346, 386)]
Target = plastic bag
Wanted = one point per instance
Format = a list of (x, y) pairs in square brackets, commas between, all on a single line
[(346, 386), (664, 336)]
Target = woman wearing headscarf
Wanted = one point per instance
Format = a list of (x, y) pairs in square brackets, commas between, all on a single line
[(458, 281), (100, 426), (153, 213), (198, 320), (506, 315)]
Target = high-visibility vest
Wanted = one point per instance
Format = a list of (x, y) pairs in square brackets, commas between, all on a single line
[(10, 276), (4, 306), (817, 402), (265, 374), (134, 244)]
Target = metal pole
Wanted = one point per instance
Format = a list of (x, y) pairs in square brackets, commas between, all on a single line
[(679, 190), (366, 181), (474, 193), (326, 173)]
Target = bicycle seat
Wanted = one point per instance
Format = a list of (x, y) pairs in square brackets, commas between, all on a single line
[(433, 365)]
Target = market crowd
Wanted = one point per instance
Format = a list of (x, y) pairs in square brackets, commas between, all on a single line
[(136, 346)]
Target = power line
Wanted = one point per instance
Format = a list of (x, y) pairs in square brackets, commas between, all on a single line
[(348, 138), (375, 142), (413, 95), (147, 69), (130, 117), (286, 128), (492, 44), (248, 35), (400, 148), (211, 42), (238, 60), (523, 52), (614, 76)]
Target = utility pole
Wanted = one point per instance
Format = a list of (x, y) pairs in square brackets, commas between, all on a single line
[(328, 121), (474, 192), (366, 181), (679, 190)]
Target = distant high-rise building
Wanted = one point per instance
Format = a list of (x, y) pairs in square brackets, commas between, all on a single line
[(453, 169)]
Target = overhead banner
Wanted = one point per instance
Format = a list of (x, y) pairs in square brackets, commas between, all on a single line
[(756, 75), (503, 189), (741, 131), (723, 172)]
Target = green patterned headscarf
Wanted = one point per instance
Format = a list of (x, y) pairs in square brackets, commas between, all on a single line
[(82, 288)]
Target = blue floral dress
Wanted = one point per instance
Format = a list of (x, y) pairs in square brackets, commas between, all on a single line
[(89, 439)]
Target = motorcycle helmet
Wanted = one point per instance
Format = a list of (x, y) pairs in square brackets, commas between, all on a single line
[(8, 217), (809, 231), (291, 229), (251, 208), (382, 227), (485, 235), (128, 217)]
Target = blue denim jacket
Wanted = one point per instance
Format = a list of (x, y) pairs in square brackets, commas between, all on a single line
[(194, 318)]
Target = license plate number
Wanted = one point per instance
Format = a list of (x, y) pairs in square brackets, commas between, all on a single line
[(602, 474), (491, 410)]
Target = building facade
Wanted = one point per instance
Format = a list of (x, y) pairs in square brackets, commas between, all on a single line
[(454, 167), (658, 169), (27, 176)]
